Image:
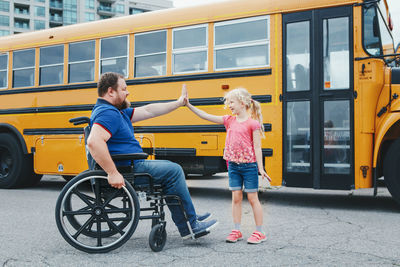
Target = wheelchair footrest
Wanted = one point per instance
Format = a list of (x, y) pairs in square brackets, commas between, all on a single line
[(200, 234)]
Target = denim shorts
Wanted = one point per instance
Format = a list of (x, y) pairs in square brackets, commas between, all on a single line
[(243, 174)]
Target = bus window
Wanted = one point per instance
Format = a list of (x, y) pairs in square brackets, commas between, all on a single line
[(23, 68), (150, 54), (51, 65), (336, 53), (298, 56), (3, 71), (189, 49), (242, 43), (337, 137), (371, 34), (386, 37), (114, 55), (298, 153), (81, 62)]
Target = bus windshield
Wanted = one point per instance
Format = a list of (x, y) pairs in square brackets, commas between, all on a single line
[(377, 37)]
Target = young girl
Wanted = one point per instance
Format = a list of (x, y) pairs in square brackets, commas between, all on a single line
[(243, 153)]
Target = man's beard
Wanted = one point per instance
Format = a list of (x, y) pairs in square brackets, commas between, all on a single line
[(123, 105)]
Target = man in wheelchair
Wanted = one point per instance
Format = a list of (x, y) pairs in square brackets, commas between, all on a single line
[(112, 133)]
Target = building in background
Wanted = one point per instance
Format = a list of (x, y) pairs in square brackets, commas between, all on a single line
[(17, 16)]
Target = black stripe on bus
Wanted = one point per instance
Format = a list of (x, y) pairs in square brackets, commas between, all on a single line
[(206, 101), (53, 131), (267, 152), (205, 76), (141, 129), (187, 128), (194, 101), (47, 109), (188, 152), (395, 75)]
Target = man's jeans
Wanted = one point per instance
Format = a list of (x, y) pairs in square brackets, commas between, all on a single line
[(170, 175)]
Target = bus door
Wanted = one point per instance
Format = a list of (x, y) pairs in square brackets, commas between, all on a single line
[(318, 99)]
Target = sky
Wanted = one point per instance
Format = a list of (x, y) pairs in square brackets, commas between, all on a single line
[(394, 6)]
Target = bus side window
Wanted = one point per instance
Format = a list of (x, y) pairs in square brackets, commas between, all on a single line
[(23, 68), (151, 54), (3, 71), (81, 62), (114, 55), (189, 49), (241, 43), (51, 65)]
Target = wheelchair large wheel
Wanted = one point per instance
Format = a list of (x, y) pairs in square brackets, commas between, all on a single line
[(94, 217), (158, 237), (105, 192)]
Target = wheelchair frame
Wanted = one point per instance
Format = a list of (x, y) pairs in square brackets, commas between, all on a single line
[(94, 217)]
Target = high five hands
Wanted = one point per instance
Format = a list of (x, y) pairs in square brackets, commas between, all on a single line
[(184, 98)]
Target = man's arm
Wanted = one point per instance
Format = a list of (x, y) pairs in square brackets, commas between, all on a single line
[(97, 143), (158, 109)]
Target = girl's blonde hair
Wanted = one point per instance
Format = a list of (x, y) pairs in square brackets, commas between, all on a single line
[(243, 96)]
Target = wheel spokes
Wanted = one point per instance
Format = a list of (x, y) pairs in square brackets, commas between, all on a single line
[(75, 236)]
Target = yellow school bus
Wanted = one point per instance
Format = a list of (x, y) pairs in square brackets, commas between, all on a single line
[(324, 71)]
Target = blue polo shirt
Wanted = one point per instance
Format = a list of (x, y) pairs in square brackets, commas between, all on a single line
[(118, 124)]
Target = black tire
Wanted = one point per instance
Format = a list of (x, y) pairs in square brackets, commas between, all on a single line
[(68, 177), (90, 232), (158, 237), (16, 168), (93, 222), (391, 170)]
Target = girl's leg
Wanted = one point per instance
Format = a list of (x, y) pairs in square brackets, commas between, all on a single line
[(256, 206), (237, 197)]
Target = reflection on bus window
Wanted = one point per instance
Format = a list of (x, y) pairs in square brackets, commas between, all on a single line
[(371, 31), (242, 43), (51, 65), (81, 62), (298, 56), (114, 55), (3, 71), (23, 68), (386, 37), (298, 136), (336, 53), (337, 137), (189, 49), (150, 54)]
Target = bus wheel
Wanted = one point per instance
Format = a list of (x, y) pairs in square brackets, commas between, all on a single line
[(68, 177), (391, 170), (15, 170)]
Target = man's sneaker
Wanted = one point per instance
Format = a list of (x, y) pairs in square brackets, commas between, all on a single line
[(203, 217), (234, 236), (199, 229), (256, 238)]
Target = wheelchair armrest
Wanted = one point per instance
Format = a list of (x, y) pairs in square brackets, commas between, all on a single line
[(79, 120), (131, 156)]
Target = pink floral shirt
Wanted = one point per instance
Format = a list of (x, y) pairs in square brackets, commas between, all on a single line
[(239, 139)]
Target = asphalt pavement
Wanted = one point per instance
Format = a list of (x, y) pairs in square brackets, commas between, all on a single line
[(304, 227)]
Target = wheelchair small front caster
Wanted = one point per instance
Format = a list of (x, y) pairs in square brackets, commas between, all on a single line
[(158, 237)]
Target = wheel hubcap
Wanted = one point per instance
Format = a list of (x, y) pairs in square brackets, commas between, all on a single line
[(5, 163), (98, 211)]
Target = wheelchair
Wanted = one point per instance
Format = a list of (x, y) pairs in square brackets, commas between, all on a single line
[(94, 217)]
